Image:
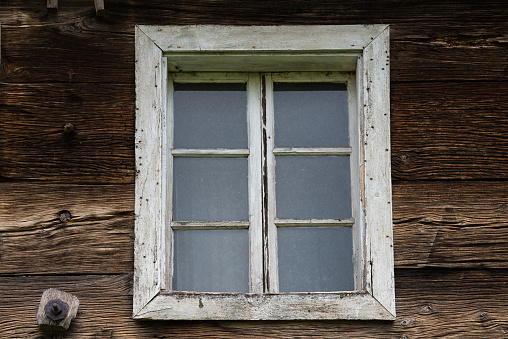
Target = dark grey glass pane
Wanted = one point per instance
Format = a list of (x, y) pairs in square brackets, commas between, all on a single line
[(312, 187), (315, 259), (311, 115), (210, 115), (211, 260), (210, 189)]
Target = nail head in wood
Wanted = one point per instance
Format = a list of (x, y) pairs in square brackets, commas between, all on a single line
[(68, 129), (56, 310)]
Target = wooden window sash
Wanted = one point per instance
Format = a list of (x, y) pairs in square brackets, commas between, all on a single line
[(262, 225)]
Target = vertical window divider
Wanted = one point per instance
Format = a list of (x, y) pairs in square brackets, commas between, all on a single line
[(270, 229), (167, 274), (255, 184)]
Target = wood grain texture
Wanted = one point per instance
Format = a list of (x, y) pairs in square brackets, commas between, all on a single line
[(445, 130), (66, 52), (430, 303), (33, 144), (98, 238), (433, 40), (451, 224), (449, 118), (375, 172), (449, 130), (453, 13), (436, 224), (152, 158)]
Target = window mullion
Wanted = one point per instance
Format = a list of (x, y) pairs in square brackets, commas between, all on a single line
[(269, 227), (255, 184), (169, 132)]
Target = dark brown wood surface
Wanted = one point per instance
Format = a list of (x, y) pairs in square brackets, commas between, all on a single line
[(451, 224), (34, 146), (431, 40), (440, 130), (449, 132), (430, 304)]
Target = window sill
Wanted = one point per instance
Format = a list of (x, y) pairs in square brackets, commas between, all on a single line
[(247, 306)]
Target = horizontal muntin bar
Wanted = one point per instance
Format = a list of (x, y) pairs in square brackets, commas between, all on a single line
[(209, 225), (313, 151), (314, 222), (226, 153)]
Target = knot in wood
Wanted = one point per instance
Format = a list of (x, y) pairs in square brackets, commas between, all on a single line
[(56, 309), (427, 309), (64, 216), (483, 316)]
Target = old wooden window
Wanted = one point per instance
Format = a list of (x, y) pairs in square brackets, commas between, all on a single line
[(263, 197), (263, 179)]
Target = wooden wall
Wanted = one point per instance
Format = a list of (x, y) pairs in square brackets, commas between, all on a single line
[(449, 83)]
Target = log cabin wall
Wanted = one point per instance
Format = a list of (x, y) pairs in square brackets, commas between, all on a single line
[(449, 130)]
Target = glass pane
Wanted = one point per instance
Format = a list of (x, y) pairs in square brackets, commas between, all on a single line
[(311, 115), (312, 187), (210, 189), (210, 115), (315, 259), (211, 260)]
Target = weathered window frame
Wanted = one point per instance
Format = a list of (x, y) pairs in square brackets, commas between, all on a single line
[(360, 49)]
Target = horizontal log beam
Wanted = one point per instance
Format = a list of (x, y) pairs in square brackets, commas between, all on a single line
[(449, 130), (96, 236), (439, 131), (450, 224), (429, 303), (34, 144), (436, 224), (85, 48), (454, 14)]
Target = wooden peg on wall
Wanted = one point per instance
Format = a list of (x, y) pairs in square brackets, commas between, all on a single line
[(52, 5), (99, 7)]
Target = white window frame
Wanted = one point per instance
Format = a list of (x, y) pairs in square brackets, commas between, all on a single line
[(363, 50)]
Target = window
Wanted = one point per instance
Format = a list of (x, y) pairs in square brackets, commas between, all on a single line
[(263, 173)]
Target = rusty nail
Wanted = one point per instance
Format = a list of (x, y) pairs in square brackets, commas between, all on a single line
[(68, 129), (56, 309)]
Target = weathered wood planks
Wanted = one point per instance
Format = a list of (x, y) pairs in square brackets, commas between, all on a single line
[(436, 224), (444, 130), (450, 224), (453, 41), (449, 130), (449, 118), (33, 143), (430, 303), (98, 238), (108, 57)]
